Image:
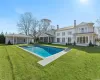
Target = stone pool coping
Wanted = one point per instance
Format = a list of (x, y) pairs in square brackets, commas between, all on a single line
[(47, 60), (51, 58)]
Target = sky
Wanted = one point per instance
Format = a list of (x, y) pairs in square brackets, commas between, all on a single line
[(60, 12)]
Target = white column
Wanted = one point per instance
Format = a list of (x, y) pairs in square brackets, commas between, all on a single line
[(76, 39), (13, 39), (6, 40), (88, 40), (16, 40), (43, 39), (48, 39), (92, 40), (27, 40)]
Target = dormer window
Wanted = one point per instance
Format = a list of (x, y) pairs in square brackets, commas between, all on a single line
[(82, 30)]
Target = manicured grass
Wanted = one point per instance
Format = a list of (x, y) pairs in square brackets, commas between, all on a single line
[(81, 63)]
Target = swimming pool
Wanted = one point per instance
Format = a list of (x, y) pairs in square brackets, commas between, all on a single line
[(43, 51)]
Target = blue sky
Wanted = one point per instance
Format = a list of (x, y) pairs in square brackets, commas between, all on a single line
[(61, 12)]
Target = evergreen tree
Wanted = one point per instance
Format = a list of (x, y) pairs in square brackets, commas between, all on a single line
[(2, 38)]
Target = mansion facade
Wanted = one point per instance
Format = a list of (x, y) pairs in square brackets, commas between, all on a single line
[(81, 34)]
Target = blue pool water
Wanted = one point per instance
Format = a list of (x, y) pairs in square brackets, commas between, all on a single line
[(43, 51)]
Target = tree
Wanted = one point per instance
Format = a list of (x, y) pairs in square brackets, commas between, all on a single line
[(34, 28), (74, 43), (45, 23), (31, 26), (98, 21), (25, 22), (90, 44), (39, 27), (2, 38)]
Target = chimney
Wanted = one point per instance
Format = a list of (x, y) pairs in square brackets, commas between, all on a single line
[(57, 27), (74, 23)]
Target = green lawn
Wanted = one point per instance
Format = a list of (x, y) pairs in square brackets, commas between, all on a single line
[(81, 63)]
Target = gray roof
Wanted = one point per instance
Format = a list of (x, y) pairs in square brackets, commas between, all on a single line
[(17, 35), (85, 23)]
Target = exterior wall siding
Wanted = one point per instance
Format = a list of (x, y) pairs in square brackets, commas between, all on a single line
[(78, 31)]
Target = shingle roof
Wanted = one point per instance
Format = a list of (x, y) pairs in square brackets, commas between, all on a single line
[(84, 23), (65, 28), (17, 35)]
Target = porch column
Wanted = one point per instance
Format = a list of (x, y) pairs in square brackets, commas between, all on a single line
[(43, 39), (13, 38), (27, 40), (16, 40), (6, 40), (88, 39), (48, 39), (92, 40)]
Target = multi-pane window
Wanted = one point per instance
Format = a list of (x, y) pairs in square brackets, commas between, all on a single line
[(78, 39), (85, 29), (58, 39), (82, 30), (58, 34), (82, 39), (63, 39), (69, 33), (63, 33), (86, 39), (69, 39)]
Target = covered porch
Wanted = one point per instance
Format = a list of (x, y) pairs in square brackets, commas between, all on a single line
[(47, 38), (17, 39), (85, 39)]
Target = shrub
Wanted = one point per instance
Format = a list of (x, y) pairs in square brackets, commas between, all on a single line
[(9, 43), (49, 43), (90, 44), (2, 38), (66, 44), (69, 44), (74, 43), (31, 43)]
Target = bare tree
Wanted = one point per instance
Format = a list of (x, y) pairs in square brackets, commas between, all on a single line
[(45, 23), (39, 27), (30, 25), (98, 21), (25, 22), (34, 28)]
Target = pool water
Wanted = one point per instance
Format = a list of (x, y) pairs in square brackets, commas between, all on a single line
[(43, 51)]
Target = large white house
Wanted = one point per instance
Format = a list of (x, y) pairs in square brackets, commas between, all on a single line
[(81, 34)]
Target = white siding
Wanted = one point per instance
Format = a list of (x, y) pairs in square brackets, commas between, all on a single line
[(65, 36)]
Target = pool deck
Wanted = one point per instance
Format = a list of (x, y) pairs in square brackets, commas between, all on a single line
[(49, 59)]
